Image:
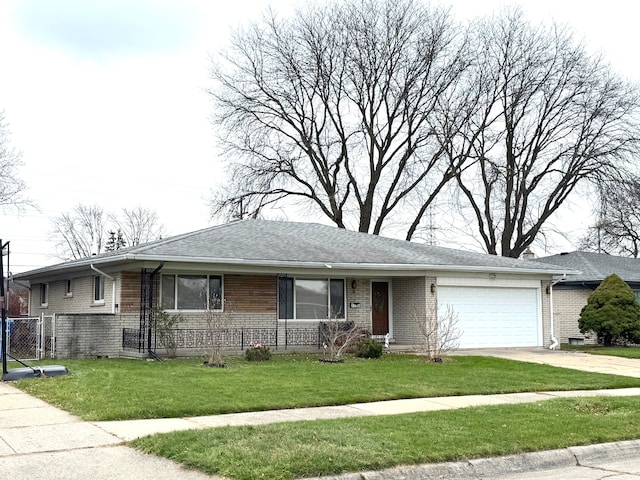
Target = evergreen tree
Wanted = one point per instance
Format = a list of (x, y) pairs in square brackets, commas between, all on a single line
[(612, 312), (115, 241)]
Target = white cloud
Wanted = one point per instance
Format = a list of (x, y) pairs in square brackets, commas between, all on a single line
[(109, 28)]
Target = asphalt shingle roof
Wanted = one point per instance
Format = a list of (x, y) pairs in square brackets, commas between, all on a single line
[(595, 266), (263, 242)]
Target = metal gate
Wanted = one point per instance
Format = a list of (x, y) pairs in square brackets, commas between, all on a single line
[(31, 338)]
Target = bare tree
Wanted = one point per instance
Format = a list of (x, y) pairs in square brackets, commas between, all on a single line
[(12, 187), (549, 117), (617, 228), (87, 230), (344, 108), (138, 225), (219, 324), (80, 233), (438, 336), (338, 337)]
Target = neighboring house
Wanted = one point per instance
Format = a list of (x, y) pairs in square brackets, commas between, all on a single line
[(277, 280), (571, 293)]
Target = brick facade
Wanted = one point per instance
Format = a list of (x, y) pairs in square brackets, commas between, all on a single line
[(86, 329), (567, 305)]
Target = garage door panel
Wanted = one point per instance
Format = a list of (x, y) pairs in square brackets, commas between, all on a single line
[(494, 317)]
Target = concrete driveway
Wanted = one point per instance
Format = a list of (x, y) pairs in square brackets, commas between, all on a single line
[(628, 367)]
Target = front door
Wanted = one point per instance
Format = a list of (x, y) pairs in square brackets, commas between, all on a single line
[(380, 308)]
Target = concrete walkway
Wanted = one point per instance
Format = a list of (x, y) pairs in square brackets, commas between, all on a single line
[(629, 367), (38, 441)]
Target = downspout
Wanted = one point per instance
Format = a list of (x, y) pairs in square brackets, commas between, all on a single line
[(113, 286), (554, 340)]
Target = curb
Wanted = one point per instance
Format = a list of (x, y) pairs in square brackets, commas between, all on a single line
[(505, 465)]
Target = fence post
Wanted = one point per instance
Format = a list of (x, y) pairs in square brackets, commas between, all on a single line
[(53, 335), (39, 336)]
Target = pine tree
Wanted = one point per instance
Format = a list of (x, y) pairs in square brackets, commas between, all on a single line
[(612, 312)]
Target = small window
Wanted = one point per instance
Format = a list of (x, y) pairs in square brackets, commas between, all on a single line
[(98, 289), (68, 288), (44, 294)]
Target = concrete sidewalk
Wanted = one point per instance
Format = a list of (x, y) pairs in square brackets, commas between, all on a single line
[(38, 441), (127, 430)]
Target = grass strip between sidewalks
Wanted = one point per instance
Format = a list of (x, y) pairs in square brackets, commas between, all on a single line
[(324, 447), (132, 389)]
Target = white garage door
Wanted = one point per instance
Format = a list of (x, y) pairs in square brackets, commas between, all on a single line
[(494, 317)]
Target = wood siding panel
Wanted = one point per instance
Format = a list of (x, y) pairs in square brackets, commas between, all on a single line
[(251, 293), (130, 292)]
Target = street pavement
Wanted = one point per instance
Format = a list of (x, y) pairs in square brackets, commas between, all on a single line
[(38, 441)]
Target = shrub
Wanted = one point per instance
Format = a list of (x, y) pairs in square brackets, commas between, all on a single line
[(369, 348), (612, 312), (257, 353), (166, 325), (339, 337)]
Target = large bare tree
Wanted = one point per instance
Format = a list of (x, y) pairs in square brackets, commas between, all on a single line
[(12, 187), (87, 230), (549, 117), (81, 232), (139, 225), (617, 227), (343, 107)]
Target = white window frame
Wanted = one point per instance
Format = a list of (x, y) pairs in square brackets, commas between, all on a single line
[(68, 288), (98, 289), (295, 300), (208, 276)]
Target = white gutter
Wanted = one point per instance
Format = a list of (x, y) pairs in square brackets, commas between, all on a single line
[(113, 286), (554, 340), (352, 266)]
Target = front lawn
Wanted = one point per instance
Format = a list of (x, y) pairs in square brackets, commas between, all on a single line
[(306, 449), (625, 352), (117, 389)]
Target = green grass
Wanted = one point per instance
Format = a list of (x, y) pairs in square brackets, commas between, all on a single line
[(625, 352), (117, 389), (305, 449)]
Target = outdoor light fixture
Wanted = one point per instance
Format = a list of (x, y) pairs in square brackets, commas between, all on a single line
[(353, 284), (433, 288)]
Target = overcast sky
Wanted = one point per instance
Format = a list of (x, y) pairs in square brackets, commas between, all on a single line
[(106, 100)]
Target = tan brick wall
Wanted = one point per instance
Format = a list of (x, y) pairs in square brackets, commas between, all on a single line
[(88, 336), (80, 300), (567, 304), (412, 299), (360, 314)]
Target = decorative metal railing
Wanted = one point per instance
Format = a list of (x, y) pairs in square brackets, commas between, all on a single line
[(228, 338)]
